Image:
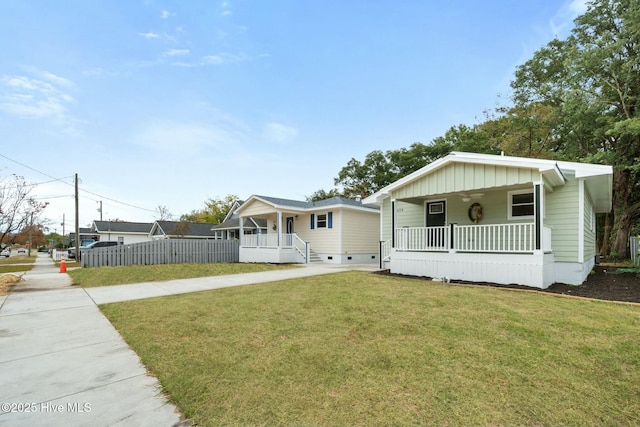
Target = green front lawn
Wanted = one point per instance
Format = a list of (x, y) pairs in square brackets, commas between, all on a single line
[(21, 263), (361, 349), (107, 276)]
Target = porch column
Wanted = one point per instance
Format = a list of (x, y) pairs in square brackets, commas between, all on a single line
[(538, 203), (240, 231), (393, 224), (279, 229)]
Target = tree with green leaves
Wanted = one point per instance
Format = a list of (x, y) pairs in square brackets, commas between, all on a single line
[(214, 212), (592, 82), (323, 195), (380, 169)]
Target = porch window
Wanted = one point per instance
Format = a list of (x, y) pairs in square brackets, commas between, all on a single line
[(521, 204)]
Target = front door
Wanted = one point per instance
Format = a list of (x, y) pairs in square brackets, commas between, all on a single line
[(290, 225), (436, 216)]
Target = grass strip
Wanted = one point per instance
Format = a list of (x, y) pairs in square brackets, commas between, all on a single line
[(360, 349), (108, 276)]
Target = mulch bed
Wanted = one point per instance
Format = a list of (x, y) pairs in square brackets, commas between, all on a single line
[(603, 283)]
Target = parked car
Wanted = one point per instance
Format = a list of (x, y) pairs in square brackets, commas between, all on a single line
[(102, 244), (94, 245), (22, 251), (6, 252)]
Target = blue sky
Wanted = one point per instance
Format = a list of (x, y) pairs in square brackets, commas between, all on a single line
[(174, 102)]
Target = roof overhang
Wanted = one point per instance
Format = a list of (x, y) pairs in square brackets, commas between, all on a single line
[(298, 207), (550, 170)]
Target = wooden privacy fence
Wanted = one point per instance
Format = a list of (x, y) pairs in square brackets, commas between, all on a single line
[(170, 251)]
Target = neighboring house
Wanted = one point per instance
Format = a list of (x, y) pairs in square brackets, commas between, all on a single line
[(181, 230), (86, 237), (498, 219), (336, 230), (229, 228), (122, 232)]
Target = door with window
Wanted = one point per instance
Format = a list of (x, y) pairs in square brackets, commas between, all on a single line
[(436, 218)]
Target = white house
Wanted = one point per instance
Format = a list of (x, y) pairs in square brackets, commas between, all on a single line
[(498, 219), (122, 232), (229, 228), (336, 230)]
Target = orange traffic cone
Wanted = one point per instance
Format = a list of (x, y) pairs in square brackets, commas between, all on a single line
[(63, 266)]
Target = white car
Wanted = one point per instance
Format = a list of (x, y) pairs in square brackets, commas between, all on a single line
[(6, 252)]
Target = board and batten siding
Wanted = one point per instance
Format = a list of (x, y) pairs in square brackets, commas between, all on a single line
[(359, 232), (458, 177), (562, 217)]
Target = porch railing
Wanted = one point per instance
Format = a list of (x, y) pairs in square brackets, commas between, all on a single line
[(422, 238), (499, 238), (301, 246), (269, 240)]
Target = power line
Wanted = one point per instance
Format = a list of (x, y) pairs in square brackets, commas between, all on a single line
[(81, 189), (35, 170)]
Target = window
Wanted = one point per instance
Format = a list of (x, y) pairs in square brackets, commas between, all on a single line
[(521, 204), (436, 208), (322, 221)]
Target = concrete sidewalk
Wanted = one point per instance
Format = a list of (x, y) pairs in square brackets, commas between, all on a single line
[(63, 363)]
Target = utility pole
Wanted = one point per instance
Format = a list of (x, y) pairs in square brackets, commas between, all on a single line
[(30, 236), (100, 209), (77, 222)]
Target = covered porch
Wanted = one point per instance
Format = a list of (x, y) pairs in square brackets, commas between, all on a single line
[(278, 243), (495, 235)]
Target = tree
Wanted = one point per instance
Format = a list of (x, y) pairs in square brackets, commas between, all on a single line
[(214, 212), (163, 213), (381, 169), (592, 82), (17, 209), (323, 195)]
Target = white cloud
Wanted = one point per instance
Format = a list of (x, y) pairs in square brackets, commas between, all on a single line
[(578, 7), (279, 132), (562, 22), (176, 52), (226, 8), (28, 97), (224, 58), (183, 139), (150, 35), (165, 14)]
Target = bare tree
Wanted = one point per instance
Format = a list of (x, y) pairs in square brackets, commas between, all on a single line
[(163, 213), (17, 209)]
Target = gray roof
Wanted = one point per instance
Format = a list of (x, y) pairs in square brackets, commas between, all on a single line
[(122, 227), (337, 200), (234, 224), (194, 229)]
